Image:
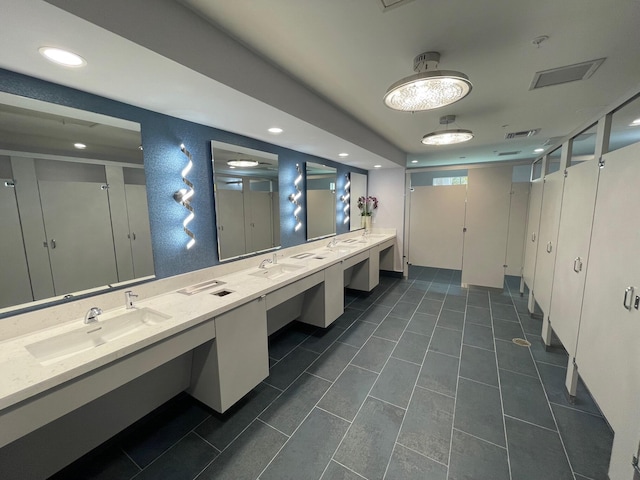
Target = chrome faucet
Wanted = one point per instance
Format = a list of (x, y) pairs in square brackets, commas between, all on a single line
[(92, 315), (263, 263), (128, 299), (333, 242)]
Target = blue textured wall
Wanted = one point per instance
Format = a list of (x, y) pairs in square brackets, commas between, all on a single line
[(163, 163)]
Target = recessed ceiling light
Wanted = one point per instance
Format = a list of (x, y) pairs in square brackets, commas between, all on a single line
[(538, 150), (80, 146), (343, 154), (62, 57), (635, 123), (377, 166), (275, 130), (243, 163), (414, 161)]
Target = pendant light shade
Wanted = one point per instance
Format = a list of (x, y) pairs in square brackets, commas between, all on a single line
[(449, 136), (427, 90)]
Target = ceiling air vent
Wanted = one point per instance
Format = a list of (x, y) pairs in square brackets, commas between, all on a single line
[(504, 154), (389, 4), (570, 73), (521, 134)]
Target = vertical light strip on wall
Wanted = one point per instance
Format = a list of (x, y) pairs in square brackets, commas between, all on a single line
[(294, 197), (345, 199), (187, 195)]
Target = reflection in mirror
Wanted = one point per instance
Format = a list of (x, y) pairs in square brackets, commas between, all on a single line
[(246, 200), (321, 200), (74, 217), (358, 189)]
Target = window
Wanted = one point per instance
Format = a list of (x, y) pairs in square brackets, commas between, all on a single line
[(441, 181)]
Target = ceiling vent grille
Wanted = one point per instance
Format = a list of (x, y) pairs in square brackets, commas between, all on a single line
[(521, 134), (504, 154), (389, 4), (569, 73)]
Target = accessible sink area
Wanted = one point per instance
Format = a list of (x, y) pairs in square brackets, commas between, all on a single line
[(93, 335), (275, 270)]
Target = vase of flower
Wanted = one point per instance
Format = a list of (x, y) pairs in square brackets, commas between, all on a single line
[(367, 205)]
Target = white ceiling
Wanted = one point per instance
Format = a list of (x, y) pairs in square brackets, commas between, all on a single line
[(347, 52)]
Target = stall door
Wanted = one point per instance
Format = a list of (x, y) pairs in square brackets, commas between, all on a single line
[(532, 231), (517, 227), (79, 236), (435, 228), (139, 230), (547, 239), (15, 286), (257, 214), (608, 351), (574, 238), (230, 221), (486, 226)]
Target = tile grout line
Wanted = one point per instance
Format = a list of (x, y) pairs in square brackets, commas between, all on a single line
[(421, 454), (531, 423), (478, 438), (434, 391)]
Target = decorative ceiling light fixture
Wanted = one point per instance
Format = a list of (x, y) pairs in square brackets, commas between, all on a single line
[(242, 163), (447, 137), (427, 89)]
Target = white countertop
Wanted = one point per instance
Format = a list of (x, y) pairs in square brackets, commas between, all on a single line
[(23, 376)]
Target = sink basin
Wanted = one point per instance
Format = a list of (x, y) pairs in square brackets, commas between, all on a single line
[(275, 271), (90, 336)]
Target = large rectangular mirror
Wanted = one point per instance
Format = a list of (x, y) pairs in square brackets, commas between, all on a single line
[(358, 189), (321, 200), (246, 200), (73, 205)]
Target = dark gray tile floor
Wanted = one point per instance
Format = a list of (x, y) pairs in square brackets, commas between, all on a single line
[(419, 379)]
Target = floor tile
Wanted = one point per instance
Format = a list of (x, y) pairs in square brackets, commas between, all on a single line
[(308, 451), (451, 319), (479, 365), (376, 313), (504, 312), (506, 330), (479, 411), (430, 306), (553, 380), (332, 362), (289, 409), (434, 293), (389, 299), (247, 456), (553, 355), (427, 426), (457, 290), (290, 367), (530, 325), (408, 465), (322, 338), (220, 430), (478, 336), (454, 302), (472, 458), (515, 358), (479, 316), (523, 398), (374, 354), (403, 310), (422, 323), (284, 341), (163, 428), (478, 299), (184, 460), (348, 392), (391, 328), (395, 383), (413, 295), (335, 471), (358, 333), (446, 341), (503, 298), (439, 373), (411, 347), (109, 463), (349, 316), (588, 441), (535, 453), (370, 440)]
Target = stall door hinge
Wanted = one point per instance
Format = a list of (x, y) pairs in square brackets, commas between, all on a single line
[(601, 162), (566, 173), (104, 186), (10, 184)]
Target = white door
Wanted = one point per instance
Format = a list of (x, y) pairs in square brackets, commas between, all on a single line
[(608, 351), (139, 230), (15, 287), (532, 232), (547, 239), (78, 227), (574, 236), (435, 227), (258, 220), (486, 226), (517, 227), (230, 222)]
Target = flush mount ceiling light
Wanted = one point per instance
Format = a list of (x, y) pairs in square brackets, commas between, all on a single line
[(242, 163), (275, 130), (343, 154), (635, 123), (538, 150), (447, 137), (427, 89), (62, 57), (80, 146)]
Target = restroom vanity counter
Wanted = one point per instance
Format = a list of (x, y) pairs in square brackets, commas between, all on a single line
[(23, 376)]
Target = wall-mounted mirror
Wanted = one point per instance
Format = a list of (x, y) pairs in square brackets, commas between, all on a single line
[(358, 189), (321, 200), (73, 204), (246, 200)]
